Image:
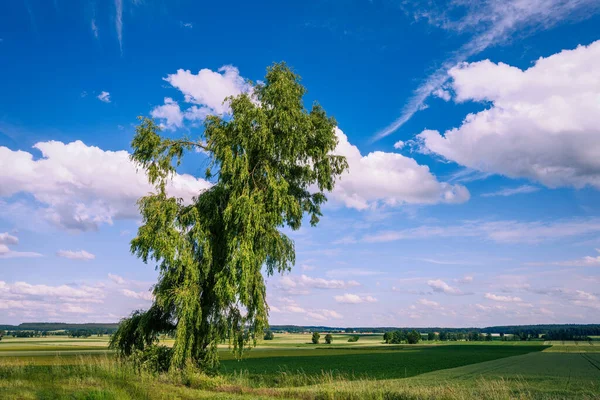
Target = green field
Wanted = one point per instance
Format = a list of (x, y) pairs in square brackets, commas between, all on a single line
[(292, 367)]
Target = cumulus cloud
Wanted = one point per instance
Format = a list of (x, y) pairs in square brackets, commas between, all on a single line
[(169, 113), (104, 97), (488, 23), (399, 144), (442, 94), (75, 255), (80, 186), (119, 280), (542, 124), (20, 290), (428, 303), (286, 305), (7, 239), (389, 178), (438, 285), (301, 284), (504, 299), (209, 88), (145, 295), (350, 298)]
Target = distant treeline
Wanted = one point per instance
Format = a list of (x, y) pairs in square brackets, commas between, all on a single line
[(37, 329), (523, 332), (520, 332)]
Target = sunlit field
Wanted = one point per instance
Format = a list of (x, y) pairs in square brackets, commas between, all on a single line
[(290, 366)]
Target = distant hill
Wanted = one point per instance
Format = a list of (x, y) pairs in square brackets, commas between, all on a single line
[(56, 326), (576, 329)]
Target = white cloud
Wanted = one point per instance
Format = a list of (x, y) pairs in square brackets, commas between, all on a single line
[(587, 261), (504, 299), (169, 113), (187, 25), (440, 286), (75, 255), (512, 191), (389, 178), (94, 28), (490, 22), (116, 279), (119, 22), (585, 296), (344, 272), (104, 97), (442, 94), (7, 239), (542, 125), (20, 289), (146, 295), (399, 144), (428, 303), (208, 88), (286, 305), (80, 186), (305, 282), (498, 231), (349, 298)]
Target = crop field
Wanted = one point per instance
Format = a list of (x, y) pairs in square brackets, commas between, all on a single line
[(290, 366)]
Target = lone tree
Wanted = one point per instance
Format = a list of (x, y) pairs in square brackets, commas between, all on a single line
[(270, 164), (328, 338), (269, 335), (315, 337)]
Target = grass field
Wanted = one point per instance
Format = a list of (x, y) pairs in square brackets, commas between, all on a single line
[(292, 367)]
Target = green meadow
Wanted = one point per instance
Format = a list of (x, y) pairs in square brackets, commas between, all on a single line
[(290, 366)]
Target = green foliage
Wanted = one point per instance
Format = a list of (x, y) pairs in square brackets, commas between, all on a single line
[(153, 358), (269, 335), (413, 337), (315, 337), (270, 164), (353, 339), (140, 330), (329, 338)]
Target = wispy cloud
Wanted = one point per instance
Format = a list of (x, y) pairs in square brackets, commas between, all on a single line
[(350, 298), (75, 255), (498, 231), (104, 97), (512, 191), (7, 239), (505, 299), (440, 286), (119, 22), (587, 261), (94, 28), (489, 22)]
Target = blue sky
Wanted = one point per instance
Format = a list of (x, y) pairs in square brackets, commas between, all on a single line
[(472, 130)]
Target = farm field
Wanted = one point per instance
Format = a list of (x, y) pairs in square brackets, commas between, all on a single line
[(291, 367)]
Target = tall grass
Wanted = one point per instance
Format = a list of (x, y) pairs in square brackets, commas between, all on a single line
[(105, 378)]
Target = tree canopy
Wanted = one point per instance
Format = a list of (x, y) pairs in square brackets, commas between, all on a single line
[(270, 164)]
